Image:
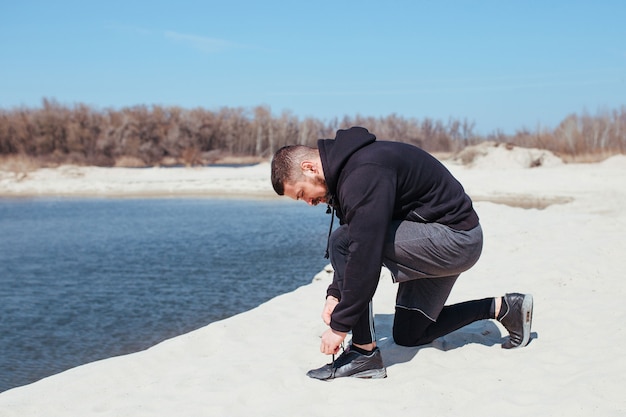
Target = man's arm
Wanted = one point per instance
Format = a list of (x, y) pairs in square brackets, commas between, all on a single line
[(329, 307), (367, 197)]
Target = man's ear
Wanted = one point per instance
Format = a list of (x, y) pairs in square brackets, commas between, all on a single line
[(308, 167)]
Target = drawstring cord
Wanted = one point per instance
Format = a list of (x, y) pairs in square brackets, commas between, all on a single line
[(331, 210), (333, 364), (330, 229)]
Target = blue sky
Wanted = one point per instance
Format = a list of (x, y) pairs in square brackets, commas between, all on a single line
[(504, 65)]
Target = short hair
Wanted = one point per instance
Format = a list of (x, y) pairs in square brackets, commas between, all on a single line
[(286, 165)]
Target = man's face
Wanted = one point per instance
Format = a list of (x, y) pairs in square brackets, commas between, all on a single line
[(311, 189)]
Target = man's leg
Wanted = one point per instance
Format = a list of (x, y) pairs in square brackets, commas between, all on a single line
[(427, 259), (361, 359), (363, 333), (420, 256), (430, 250), (416, 251), (413, 328)]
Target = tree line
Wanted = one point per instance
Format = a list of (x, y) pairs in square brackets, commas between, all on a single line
[(159, 135)]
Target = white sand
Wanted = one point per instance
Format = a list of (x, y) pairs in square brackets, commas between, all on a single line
[(570, 256)]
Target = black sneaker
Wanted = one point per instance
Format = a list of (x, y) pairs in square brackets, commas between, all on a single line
[(354, 364), (518, 319)]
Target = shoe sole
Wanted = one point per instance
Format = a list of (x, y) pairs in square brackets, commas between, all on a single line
[(527, 319), (371, 374)]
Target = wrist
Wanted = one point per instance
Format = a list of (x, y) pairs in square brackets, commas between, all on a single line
[(338, 333), (332, 298)]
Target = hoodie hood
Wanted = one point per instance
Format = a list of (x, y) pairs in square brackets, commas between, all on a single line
[(335, 152)]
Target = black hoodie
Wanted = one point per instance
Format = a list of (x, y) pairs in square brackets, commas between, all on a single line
[(372, 183)]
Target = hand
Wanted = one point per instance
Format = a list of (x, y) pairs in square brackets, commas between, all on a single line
[(331, 340), (329, 307)]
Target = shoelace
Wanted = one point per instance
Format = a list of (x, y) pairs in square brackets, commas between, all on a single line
[(333, 363)]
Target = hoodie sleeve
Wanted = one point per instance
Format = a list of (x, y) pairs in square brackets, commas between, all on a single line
[(367, 196)]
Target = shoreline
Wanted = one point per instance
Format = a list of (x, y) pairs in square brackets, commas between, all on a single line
[(245, 182), (519, 201), (75, 181), (141, 195)]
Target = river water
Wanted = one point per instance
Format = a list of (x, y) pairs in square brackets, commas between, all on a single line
[(87, 279)]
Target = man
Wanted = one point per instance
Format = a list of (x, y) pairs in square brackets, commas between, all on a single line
[(398, 207)]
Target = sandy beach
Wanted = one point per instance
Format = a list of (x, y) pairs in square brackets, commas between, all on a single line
[(556, 231), (73, 181)]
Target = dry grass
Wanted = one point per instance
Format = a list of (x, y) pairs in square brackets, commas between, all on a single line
[(239, 160), (19, 164), (23, 164), (129, 162), (443, 156), (587, 158)]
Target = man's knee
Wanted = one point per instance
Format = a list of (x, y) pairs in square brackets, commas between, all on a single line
[(339, 240), (409, 327), (402, 338)]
